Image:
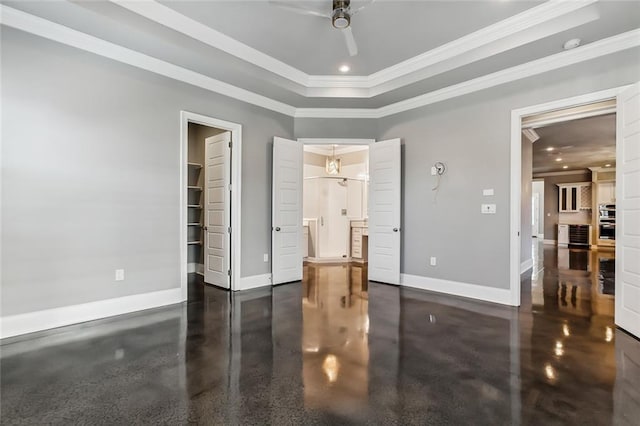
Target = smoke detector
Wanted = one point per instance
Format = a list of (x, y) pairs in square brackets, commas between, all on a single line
[(572, 44)]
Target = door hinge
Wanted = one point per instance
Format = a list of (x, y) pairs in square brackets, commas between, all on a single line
[(230, 187), (230, 144), (229, 229), (229, 272)]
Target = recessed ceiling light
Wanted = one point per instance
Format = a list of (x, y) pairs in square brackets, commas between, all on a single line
[(344, 68), (572, 44), (565, 167), (549, 149), (558, 159), (607, 165)]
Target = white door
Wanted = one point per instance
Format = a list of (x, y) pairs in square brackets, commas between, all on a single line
[(627, 298), (286, 217), (217, 199), (384, 211), (535, 215)]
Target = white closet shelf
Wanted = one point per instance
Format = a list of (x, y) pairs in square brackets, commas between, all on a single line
[(192, 243), (195, 188), (194, 224), (195, 165), (194, 206)]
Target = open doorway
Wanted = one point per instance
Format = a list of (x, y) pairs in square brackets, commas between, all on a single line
[(335, 218), (376, 211), (335, 198), (571, 154), (611, 199), (210, 204)]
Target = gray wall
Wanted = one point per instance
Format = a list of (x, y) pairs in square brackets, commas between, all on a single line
[(356, 128), (551, 199), (93, 185), (90, 175), (525, 202), (471, 134)]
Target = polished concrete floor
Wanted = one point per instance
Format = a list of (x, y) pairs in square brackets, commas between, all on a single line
[(338, 349)]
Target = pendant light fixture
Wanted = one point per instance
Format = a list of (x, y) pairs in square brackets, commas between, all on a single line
[(333, 164)]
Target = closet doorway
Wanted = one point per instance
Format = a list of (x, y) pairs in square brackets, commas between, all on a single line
[(210, 208)]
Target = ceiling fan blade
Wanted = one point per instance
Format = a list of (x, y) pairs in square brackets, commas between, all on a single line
[(290, 6), (351, 41), (355, 10)]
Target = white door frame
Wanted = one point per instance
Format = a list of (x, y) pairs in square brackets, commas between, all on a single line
[(187, 117), (516, 176)]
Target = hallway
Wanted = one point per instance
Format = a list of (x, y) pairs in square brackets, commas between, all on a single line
[(335, 350)]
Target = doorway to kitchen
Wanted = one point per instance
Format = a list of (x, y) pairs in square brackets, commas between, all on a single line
[(572, 161), (588, 269)]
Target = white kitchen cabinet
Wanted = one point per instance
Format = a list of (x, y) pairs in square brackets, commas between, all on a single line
[(573, 197), (563, 235), (606, 192)]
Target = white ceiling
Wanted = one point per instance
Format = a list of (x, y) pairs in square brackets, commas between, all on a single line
[(281, 56), (583, 143)]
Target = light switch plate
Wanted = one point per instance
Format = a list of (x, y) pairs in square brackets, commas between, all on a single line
[(487, 192), (489, 209), (119, 274)]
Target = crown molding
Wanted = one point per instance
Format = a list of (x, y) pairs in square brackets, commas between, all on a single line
[(584, 111), (593, 50), (509, 33), (511, 26), (337, 113), (563, 173), (50, 30), (61, 34), (168, 17)]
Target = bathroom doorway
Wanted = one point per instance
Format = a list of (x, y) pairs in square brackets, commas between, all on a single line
[(335, 198)]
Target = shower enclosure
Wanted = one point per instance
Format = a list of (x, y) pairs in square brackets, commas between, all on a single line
[(330, 204)]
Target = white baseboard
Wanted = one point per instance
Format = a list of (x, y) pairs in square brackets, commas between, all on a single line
[(526, 265), (550, 242), (454, 288), (30, 322), (255, 281)]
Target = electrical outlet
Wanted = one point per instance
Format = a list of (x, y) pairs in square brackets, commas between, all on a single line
[(488, 209), (265, 257), (119, 274), (433, 261), (487, 192)]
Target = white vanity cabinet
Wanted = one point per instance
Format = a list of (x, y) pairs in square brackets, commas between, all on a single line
[(359, 241)]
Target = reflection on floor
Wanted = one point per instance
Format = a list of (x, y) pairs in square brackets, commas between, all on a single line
[(576, 281), (337, 349)]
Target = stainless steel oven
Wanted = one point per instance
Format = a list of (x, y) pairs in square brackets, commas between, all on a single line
[(607, 231)]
